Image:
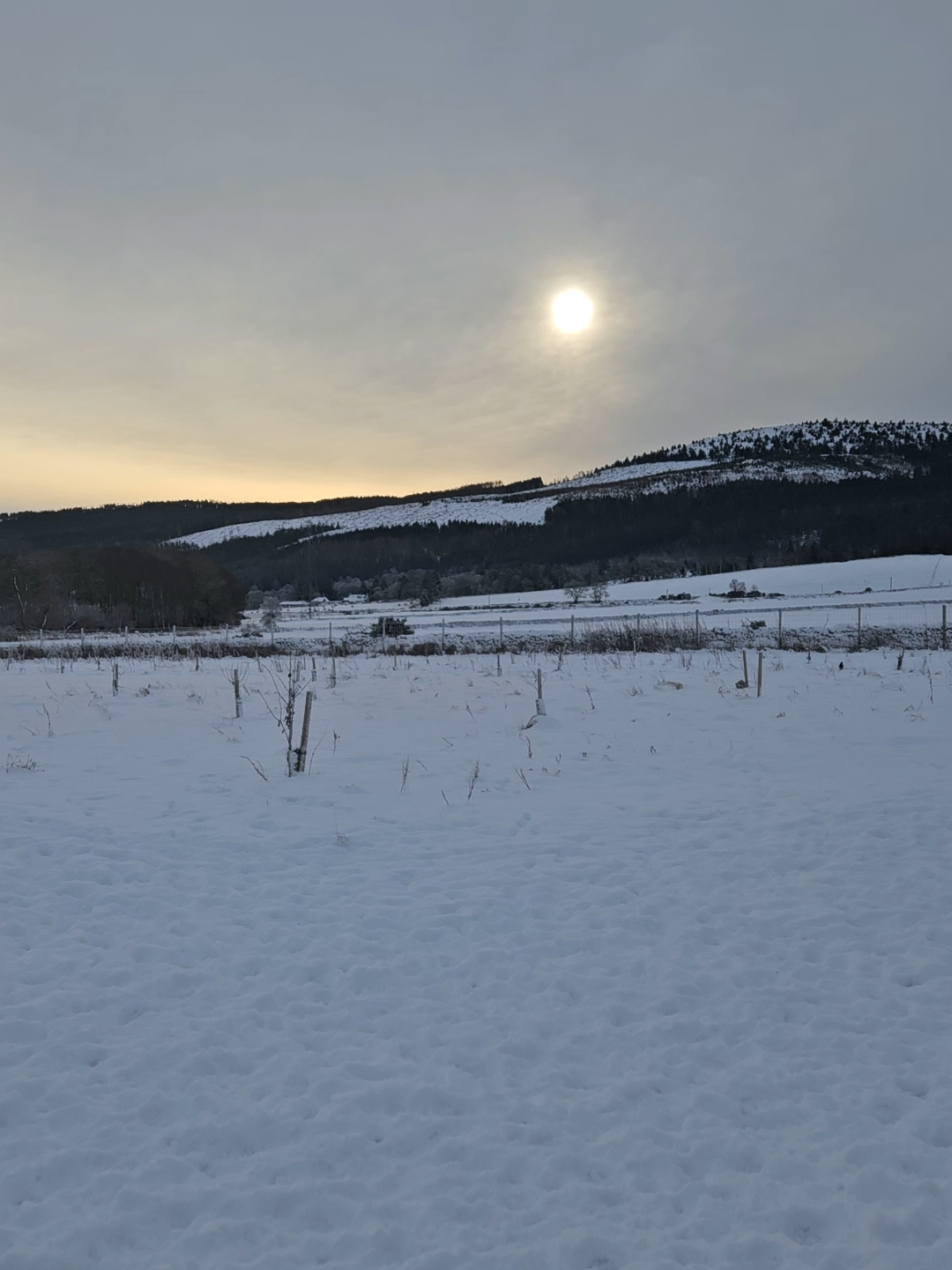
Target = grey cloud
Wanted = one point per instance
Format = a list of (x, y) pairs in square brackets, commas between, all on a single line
[(345, 220)]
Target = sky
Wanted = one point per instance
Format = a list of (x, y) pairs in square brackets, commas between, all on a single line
[(295, 249)]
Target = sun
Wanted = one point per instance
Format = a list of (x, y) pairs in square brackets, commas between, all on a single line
[(572, 311)]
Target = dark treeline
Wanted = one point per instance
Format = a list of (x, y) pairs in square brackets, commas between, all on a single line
[(822, 439), (148, 523), (113, 587), (720, 527)]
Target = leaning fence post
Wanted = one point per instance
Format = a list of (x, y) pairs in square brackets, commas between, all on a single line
[(760, 671), (301, 751)]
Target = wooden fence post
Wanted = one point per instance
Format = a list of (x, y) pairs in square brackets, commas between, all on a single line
[(760, 671), (301, 751), (945, 627), (236, 682), (859, 628), (780, 628), (540, 704), (746, 675)]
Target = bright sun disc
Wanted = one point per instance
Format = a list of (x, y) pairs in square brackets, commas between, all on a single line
[(572, 311)]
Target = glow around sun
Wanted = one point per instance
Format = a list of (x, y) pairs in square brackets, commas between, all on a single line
[(572, 311)]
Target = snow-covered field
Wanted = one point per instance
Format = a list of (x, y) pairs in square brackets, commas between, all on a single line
[(817, 602), (663, 982)]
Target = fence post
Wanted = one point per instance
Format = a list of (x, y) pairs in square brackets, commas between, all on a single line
[(540, 704), (859, 628), (501, 644), (780, 628), (443, 635), (697, 628), (945, 627), (237, 686), (760, 671), (746, 675), (572, 631), (301, 752)]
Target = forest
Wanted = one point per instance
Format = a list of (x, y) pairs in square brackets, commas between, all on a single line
[(114, 587)]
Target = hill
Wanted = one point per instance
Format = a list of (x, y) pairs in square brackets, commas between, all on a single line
[(810, 492), (829, 490)]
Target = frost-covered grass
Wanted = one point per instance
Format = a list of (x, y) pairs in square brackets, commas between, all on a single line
[(660, 980)]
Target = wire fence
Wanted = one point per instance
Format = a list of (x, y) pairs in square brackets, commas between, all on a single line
[(839, 626)]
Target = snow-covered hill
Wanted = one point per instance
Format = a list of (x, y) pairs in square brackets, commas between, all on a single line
[(824, 452), (833, 438)]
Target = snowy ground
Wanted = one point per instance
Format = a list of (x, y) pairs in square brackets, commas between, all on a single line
[(668, 988), (817, 601)]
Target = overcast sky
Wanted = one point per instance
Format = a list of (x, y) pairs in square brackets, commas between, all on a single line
[(293, 248)]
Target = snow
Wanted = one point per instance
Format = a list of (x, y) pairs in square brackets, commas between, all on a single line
[(915, 577), (900, 595), (440, 511), (630, 472), (669, 989)]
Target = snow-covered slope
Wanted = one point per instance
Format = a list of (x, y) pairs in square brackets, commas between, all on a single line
[(478, 509), (629, 472)]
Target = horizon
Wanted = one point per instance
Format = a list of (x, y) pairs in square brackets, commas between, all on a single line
[(474, 485)]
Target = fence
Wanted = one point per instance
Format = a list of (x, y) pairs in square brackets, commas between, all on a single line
[(907, 624)]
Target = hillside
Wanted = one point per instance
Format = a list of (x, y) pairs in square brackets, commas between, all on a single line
[(827, 490), (818, 491)]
